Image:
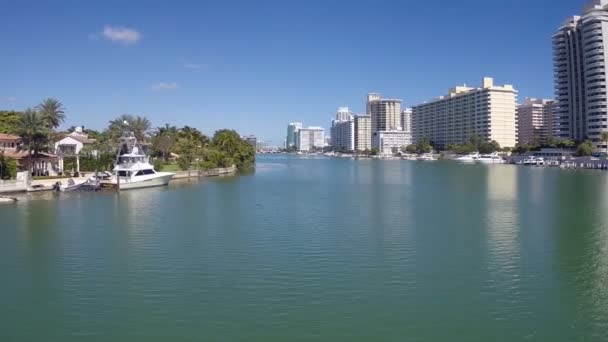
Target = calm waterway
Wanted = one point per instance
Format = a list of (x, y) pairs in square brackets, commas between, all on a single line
[(315, 249)]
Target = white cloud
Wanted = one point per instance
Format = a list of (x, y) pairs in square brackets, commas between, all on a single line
[(122, 35), (192, 66), (164, 86)]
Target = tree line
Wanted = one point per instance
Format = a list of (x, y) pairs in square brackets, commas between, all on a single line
[(186, 146)]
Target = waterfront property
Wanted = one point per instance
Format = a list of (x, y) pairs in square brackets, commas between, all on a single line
[(535, 120), (488, 112), (580, 64), (309, 139), (388, 142), (363, 133), (343, 131), (385, 115), (292, 131)]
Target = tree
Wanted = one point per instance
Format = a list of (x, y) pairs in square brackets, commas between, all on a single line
[(489, 147), (604, 137), (139, 125), (52, 112), (34, 134), (424, 146), (8, 167), (9, 121), (375, 151), (411, 149), (230, 143), (164, 140), (585, 149)]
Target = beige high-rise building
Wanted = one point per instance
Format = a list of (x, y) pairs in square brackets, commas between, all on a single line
[(363, 133), (385, 114), (535, 120), (488, 112)]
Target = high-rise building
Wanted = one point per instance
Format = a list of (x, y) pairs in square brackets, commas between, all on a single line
[(406, 119), (343, 135), (388, 142), (385, 114), (292, 130), (309, 139), (343, 131), (487, 112), (344, 114), (581, 66), (363, 133), (535, 120)]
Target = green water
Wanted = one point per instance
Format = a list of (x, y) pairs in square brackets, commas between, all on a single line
[(315, 249)]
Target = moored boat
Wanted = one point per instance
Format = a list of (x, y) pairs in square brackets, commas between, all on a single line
[(493, 158), (133, 169)]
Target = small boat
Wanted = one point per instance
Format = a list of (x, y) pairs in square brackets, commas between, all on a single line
[(540, 161), (4, 199), (73, 186), (468, 159), (426, 157), (37, 188), (493, 158), (530, 160), (553, 163), (133, 169)]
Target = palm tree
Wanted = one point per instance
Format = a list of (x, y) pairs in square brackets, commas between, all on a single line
[(34, 134), (52, 112), (140, 126), (604, 137)]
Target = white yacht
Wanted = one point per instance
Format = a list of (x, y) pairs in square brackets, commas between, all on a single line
[(468, 159), (493, 158), (133, 169)]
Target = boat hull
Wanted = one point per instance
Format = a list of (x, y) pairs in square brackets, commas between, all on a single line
[(160, 180)]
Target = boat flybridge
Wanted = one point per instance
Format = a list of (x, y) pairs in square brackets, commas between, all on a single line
[(133, 169)]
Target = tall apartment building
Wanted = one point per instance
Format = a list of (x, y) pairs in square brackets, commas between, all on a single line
[(580, 62), (344, 114), (488, 112), (385, 114), (343, 131), (406, 119), (363, 133), (311, 138), (292, 130), (535, 120)]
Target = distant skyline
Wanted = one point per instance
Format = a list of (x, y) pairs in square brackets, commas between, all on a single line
[(256, 66)]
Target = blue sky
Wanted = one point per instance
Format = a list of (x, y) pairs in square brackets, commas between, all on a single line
[(256, 65)]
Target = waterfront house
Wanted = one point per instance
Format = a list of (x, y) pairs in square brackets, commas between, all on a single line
[(71, 146), (42, 164)]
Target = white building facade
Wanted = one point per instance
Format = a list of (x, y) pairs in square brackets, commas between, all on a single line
[(388, 142), (310, 139), (488, 112), (580, 58)]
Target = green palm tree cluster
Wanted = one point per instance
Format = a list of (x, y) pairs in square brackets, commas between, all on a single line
[(34, 131), (139, 125)]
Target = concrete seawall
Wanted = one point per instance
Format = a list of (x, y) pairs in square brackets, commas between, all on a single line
[(205, 173)]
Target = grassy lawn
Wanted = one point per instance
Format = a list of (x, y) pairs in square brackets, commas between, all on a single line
[(170, 168)]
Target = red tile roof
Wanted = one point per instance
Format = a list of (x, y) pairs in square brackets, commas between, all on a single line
[(8, 137)]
